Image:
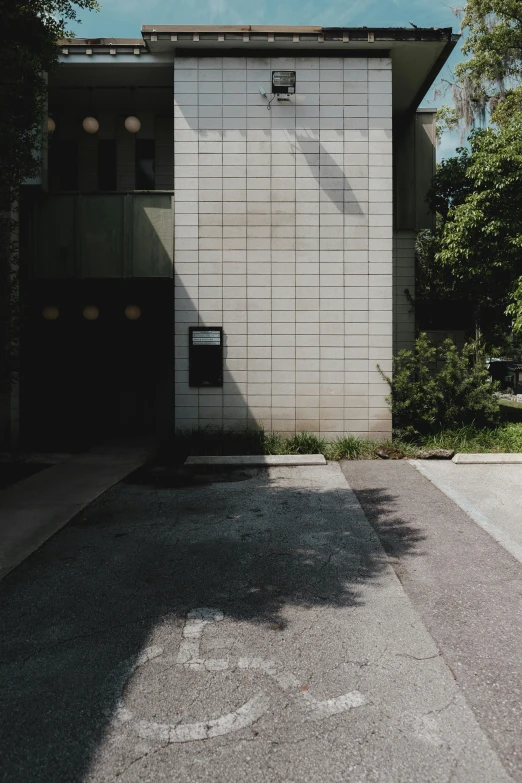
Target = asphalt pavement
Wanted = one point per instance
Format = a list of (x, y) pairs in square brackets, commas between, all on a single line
[(207, 624), (465, 586)]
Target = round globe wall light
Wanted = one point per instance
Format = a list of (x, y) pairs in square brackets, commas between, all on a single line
[(132, 312), (132, 124), (91, 313), (91, 125), (51, 125), (50, 313)]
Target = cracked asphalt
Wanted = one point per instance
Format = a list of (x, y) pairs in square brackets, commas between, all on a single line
[(240, 625)]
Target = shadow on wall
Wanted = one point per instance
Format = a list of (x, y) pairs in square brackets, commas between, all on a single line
[(147, 552), (323, 166), (209, 406)]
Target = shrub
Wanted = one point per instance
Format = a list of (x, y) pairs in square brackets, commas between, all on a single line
[(435, 388), (348, 447), (306, 443)]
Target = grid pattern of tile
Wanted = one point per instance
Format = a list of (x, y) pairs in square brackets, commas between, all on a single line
[(403, 279), (283, 235)]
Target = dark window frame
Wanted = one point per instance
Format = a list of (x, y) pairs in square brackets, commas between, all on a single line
[(107, 164), (63, 165), (145, 164)]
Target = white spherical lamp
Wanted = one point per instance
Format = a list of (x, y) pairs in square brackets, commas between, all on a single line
[(91, 125), (132, 312), (91, 313), (51, 125), (50, 313), (132, 124)]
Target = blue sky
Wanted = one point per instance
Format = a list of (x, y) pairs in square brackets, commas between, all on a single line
[(124, 18)]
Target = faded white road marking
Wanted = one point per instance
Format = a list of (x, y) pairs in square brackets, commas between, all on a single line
[(241, 718), (268, 667), (325, 709), (318, 710), (189, 657), (189, 649)]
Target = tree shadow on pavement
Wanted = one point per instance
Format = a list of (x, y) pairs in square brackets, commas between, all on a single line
[(397, 537), (154, 547)]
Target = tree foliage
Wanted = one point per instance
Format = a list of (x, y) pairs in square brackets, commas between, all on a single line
[(447, 119), (476, 249), (29, 34), (493, 46), (514, 308), (434, 283), (478, 195)]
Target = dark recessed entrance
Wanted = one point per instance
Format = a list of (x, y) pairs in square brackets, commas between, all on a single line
[(96, 361)]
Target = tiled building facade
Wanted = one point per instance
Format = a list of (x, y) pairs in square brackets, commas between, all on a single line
[(283, 236)]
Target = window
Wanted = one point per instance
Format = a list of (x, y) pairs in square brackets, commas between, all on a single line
[(106, 164), (145, 164)]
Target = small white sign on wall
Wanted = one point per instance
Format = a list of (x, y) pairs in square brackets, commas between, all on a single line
[(206, 338)]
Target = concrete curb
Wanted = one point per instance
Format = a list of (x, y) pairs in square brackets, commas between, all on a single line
[(266, 461), (33, 510), (487, 459)]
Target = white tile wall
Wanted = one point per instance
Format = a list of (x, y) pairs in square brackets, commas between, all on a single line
[(284, 237)]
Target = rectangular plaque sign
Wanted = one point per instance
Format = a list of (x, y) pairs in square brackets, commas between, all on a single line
[(208, 337)]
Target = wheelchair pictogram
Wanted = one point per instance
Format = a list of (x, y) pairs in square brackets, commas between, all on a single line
[(190, 658)]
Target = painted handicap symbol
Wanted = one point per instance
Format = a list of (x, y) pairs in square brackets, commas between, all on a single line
[(189, 657)]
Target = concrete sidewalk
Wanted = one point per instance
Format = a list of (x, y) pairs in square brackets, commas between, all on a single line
[(32, 510), (210, 625), (490, 494)]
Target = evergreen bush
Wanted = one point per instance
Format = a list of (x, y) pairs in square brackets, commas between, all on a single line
[(440, 387)]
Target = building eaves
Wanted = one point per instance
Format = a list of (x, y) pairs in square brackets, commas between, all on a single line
[(102, 46), (231, 28), (257, 34)]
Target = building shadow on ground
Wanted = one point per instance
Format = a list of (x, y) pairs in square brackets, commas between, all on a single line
[(165, 541)]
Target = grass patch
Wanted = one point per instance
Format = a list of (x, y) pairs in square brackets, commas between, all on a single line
[(351, 447), (220, 442), (473, 440), (301, 443)]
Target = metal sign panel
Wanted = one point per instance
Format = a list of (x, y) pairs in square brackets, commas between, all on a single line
[(207, 337)]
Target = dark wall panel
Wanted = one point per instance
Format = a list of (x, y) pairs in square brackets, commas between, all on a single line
[(101, 234)]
